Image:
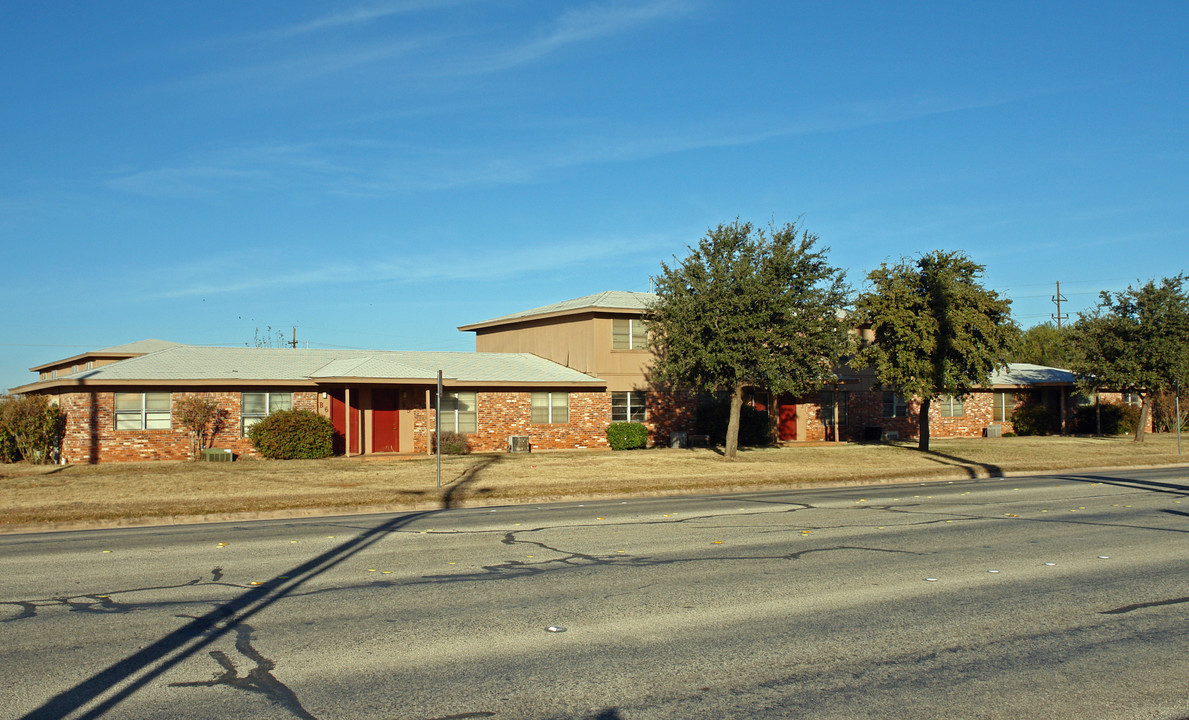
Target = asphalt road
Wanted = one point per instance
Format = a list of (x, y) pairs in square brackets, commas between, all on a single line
[(1062, 596)]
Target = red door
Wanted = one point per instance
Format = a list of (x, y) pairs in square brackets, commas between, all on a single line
[(338, 418), (786, 428), (385, 421)]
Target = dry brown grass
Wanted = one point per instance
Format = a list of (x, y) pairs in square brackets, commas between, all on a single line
[(39, 497)]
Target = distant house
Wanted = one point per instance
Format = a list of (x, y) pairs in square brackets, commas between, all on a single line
[(557, 375)]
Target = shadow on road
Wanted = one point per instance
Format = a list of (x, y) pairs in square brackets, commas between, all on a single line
[(98, 694), (970, 467), (1134, 484)]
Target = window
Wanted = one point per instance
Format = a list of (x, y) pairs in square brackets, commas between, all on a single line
[(1132, 398), (827, 402), (951, 406), (460, 412), (628, 406), (550, 408), (628, 334), (142, 411), (1005, 405), (894, 405), (256, 406)]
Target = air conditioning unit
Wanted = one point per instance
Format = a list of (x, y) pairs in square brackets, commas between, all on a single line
[(519, 444), (217, 455), (993, 430), (891, 435)]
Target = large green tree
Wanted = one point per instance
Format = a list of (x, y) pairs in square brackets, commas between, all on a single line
[(1135, 341), (749, 308), (937, 330), (1045, 344)]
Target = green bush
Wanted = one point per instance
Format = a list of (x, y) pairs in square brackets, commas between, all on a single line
[(756, 427), (8, 448), (453, 443), (29, 425), (627, 435), (1116, 419), (293, 435), (1035, 419)]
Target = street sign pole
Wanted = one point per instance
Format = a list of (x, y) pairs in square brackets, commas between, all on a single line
[(437, 422)]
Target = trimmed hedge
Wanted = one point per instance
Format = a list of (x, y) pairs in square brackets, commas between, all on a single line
[(293, 435), (627, 435), (1035, 419)]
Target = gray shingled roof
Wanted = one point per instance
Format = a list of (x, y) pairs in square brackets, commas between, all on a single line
[(609, 300), (138, 347), (188, 362), (1028, 374)]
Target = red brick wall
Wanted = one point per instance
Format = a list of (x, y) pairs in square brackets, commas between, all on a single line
[(505, 413), (90, 436), (866, 410)]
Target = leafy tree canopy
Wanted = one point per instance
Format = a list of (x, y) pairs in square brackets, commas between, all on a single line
[(937, 330), (749, 308), (1136, 341), (1045, 344)]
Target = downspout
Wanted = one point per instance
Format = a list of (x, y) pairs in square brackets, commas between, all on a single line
[(347, 417)]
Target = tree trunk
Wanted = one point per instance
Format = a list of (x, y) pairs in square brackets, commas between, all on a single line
[(923, 438), (1145, 411), (732, 443)]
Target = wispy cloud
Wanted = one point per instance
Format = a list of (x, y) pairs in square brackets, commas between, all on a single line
[(366, 167), (413, 268), (575, 26)]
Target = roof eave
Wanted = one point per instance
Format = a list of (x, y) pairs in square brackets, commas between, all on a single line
[(589, 309)]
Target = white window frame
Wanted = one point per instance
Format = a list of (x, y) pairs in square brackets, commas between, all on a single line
[(1001, 411), (551, 412), (247, 420), (951, 406), (632, 336), (899, 405), (460, 411), (146, 414), (629, 406)]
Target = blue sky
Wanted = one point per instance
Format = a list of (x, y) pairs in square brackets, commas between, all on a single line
[(377, 173)]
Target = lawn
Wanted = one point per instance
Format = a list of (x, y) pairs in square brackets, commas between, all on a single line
[(58, 497)]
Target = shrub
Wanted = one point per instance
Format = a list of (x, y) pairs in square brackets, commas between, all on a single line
[(756, 427), (627, 435), (1116, 419), (8, 448), (201, 418), (293, 435), (1035, 419), (31, 424), (453, 443)]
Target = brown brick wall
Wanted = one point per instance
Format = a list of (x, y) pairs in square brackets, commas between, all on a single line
[(90, 436)]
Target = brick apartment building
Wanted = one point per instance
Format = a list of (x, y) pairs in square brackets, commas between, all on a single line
[(557, 374)]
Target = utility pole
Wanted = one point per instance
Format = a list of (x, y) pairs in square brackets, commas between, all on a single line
[(1059, 298), (293, 343)]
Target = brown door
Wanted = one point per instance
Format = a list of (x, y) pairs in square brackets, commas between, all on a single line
[(786, 428), (385, 421)]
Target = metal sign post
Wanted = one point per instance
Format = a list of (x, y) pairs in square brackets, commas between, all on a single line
[(1178, 386), (437, 422)]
